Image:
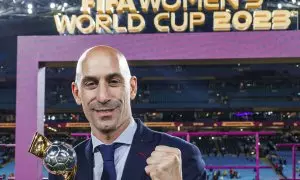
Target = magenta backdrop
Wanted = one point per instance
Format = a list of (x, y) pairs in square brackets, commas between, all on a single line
[(145, 47)]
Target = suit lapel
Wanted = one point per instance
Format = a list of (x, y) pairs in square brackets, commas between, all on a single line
[(142, 146), (86, 163), (90, 160)]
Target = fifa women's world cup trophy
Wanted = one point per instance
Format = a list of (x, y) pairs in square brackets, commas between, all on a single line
[(58, 157)]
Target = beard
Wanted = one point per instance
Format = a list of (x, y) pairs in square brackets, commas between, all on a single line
[(111, 104), (108, 124)]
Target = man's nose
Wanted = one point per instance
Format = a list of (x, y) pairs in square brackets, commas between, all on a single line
[(102, 94)]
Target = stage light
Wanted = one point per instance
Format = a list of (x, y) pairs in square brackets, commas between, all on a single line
[(65, 4), (29, 6), (52, 5), (294, 1), (212, 137), (270, 112), (241, 129), (279, 5), (199, 138), (298, 3), (52, 129), (29, 11)]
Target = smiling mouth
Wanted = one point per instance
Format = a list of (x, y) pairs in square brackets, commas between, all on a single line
[(104, 110)]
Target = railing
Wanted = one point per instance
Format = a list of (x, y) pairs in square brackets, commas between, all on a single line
[(236, 133), (293, 146)]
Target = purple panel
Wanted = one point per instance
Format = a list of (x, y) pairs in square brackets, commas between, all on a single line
[(294, 161), (237, 167), (27, 110), (189, 46), (257, 155), (214, 133), (176, 46)]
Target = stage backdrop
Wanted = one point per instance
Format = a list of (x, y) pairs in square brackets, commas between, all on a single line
[(35, 51)]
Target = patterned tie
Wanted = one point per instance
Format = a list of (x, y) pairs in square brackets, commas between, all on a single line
[(108, 151)]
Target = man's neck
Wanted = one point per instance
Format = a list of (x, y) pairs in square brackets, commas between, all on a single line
[(110, 137)]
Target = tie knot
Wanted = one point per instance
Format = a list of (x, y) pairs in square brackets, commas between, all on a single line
[(108, 151)]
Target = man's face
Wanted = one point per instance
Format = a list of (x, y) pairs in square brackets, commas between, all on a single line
[(104, 91)]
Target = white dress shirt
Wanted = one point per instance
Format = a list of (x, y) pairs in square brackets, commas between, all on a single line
[(121, 153)]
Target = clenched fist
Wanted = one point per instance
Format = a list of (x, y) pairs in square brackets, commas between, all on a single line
[(164, 164)]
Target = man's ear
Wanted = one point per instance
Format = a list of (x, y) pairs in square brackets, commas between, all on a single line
[(133, 87), (75, 93)]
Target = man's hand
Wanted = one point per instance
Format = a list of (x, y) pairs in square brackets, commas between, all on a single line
[(164, 164)]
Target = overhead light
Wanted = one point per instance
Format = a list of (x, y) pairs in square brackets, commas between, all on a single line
[(29, 6), (294, 1), (199, 138), (29, 11), (65, 4), (52, 5), (279, 5), (241, 129), (298, 3), (52, 129)]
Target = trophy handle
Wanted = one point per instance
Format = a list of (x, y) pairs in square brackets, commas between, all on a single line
[(39, 145), (70, 175)]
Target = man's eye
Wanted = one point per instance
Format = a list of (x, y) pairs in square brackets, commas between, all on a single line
[(89, 83), (114, 81)]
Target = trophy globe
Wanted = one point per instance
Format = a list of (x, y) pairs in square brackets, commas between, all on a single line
[(60, 158)]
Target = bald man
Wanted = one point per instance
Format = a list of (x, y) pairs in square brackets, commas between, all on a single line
[(121, 147)]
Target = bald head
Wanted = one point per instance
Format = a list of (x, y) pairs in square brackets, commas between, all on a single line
[(104, 88), (103, 54)]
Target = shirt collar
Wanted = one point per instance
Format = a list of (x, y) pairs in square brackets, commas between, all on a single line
[(126, 136)]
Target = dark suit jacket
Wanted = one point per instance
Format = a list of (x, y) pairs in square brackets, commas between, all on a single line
[(144, 142)]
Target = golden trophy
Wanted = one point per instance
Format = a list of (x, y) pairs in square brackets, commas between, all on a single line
[(59, 158)]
